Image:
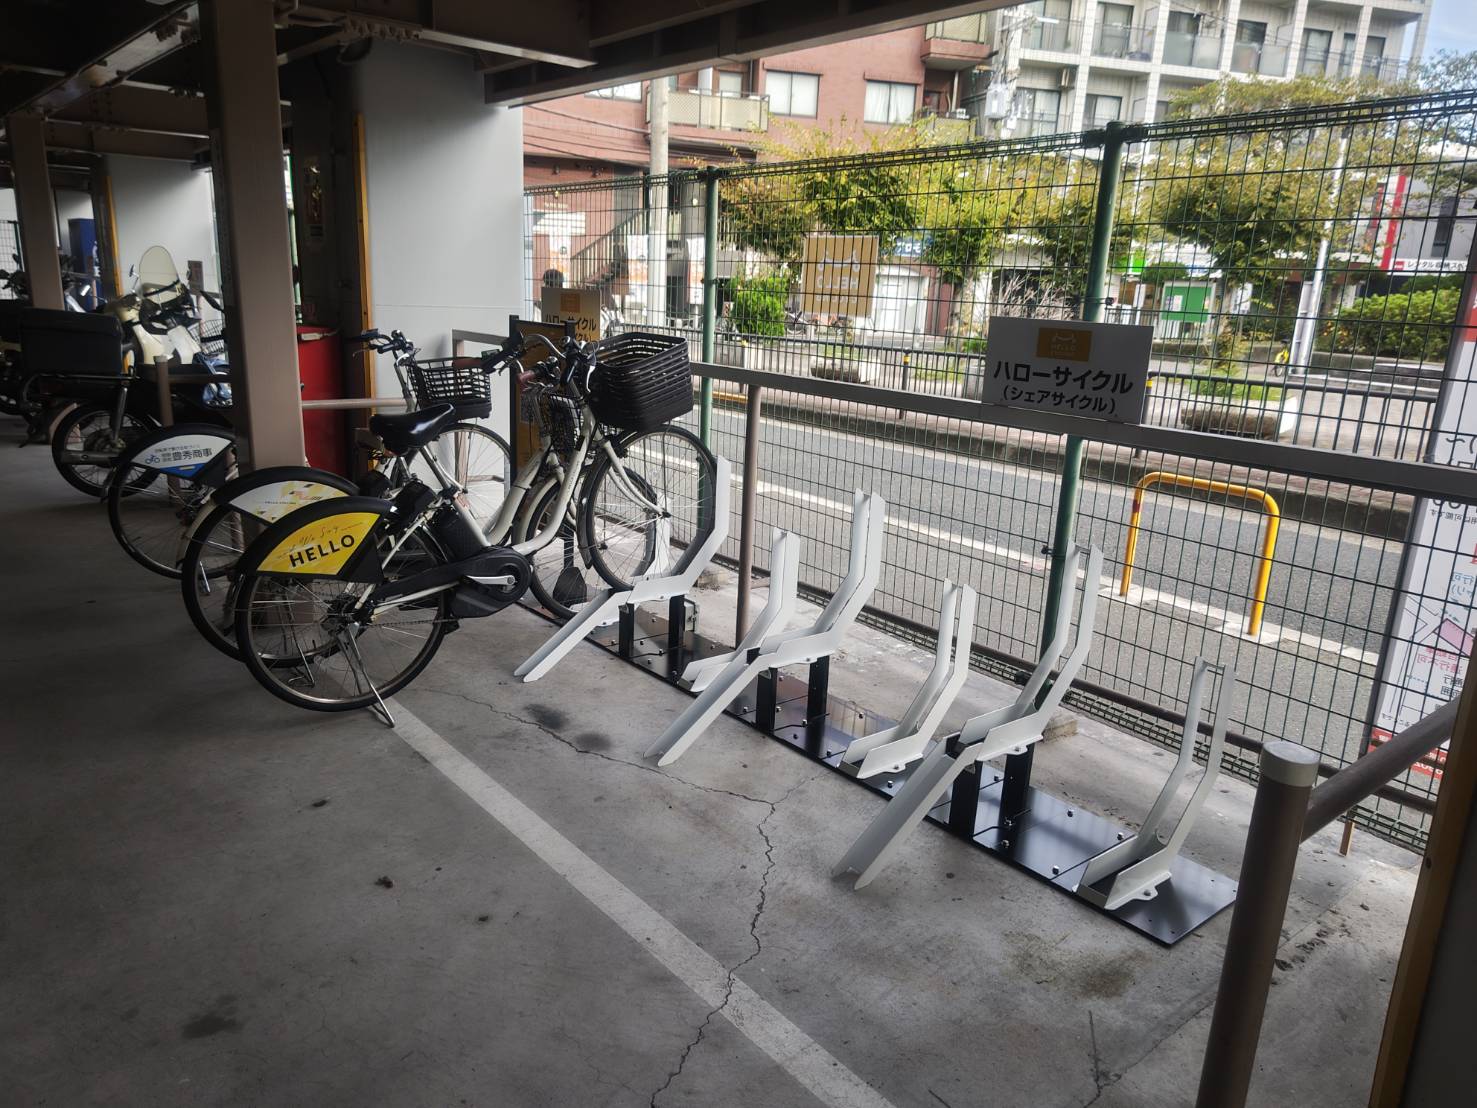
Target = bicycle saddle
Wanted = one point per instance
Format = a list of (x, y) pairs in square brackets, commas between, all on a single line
[(403, 433)]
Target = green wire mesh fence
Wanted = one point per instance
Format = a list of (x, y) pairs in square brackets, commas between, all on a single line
[(1302, 272)]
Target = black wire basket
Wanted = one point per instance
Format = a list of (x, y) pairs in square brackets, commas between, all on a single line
[(460, 382), (212, 337), (641, 381)]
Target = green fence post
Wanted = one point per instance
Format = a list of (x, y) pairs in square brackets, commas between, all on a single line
[(710, 298), (1018, 766)]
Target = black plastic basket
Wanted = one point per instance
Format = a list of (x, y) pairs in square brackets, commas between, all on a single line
[(641, 381), (460, 382)]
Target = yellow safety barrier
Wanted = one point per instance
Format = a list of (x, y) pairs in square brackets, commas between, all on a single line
[(1269, 540)]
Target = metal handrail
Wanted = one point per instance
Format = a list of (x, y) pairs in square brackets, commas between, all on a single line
[(1202, 484), (1392, 475)]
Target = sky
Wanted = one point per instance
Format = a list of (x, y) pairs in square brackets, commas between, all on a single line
[(1452, 27)]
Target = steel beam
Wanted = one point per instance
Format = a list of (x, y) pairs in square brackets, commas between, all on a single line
[(556, 31), (37, 209), (139, 108), (109, 140), (240, 47), (671, 44)]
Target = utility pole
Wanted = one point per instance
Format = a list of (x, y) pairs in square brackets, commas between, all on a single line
[(656, 251)]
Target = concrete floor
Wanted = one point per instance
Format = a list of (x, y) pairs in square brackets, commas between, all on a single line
[(212, 898)]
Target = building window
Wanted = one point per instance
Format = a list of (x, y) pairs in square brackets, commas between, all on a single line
[(1039, 109), (730, 84), (792, 93), (631, 91), (1317, 46), (1102, 110), (889, 102), (1445, 224)]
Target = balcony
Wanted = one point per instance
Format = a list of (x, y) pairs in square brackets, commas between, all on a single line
[(1059, 36), (1119, 40), (1322, 63), (1267, 59), (688, 107), (960, 43), (1027, 125), (1194, 50), (947, 130)]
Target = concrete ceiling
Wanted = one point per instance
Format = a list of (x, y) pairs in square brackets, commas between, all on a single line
[(124, 76)]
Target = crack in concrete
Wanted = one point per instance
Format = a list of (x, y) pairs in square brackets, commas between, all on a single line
[(761, 899), (1101, 1077), (732, 973)]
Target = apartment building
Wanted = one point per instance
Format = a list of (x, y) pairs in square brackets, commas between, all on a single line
[(722, 114), (1068, 65)]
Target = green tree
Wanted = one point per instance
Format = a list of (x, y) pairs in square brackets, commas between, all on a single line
[(971, 213)]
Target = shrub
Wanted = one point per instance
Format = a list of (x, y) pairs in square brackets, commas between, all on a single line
[(1400, 325), (759, 304)]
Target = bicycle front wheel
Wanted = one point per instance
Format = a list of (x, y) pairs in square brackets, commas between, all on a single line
[(480, 461), (297, 639), (642, 514)]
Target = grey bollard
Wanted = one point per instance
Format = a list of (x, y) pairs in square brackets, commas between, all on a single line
[(1288, 773)]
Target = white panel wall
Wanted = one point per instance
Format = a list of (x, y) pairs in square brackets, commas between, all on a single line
[(161, 202), (445, 176)]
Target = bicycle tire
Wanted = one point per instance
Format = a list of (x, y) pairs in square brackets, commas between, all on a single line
[(152, 505), (212, 550), (482, 464), (255, 598), (134, 426), (554, 594), (656, 475)]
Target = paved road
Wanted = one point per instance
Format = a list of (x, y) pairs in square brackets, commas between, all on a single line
[(985, 523)]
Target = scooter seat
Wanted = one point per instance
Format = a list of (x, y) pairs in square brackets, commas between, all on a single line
[(404, 433)]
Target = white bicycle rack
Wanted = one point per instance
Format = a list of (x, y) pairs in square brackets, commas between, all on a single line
[(605, 606), (892, 750), (813, 644), (784, 577), (1141, 863), (1008, 730)]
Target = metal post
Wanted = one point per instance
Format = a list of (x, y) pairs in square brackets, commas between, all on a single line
[(36, 207), (710, 298), (239, 48), (1018, 766), (753, 406), (1288, 772)]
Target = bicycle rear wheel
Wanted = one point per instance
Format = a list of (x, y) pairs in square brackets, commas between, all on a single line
[(151, 507), (643, 516), (296, 637), (241, 510), (87, 431)]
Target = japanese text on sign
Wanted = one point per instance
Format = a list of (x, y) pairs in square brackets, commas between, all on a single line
[(1098, 370)]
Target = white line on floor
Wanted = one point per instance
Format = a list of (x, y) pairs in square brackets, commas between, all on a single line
[(789, 1047)]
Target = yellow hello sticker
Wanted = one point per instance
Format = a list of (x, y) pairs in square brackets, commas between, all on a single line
[(321, 547)]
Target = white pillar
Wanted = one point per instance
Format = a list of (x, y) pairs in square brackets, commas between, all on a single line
[(1084, 70), (37, 209), (1295, 51), (1361, 40), (1151, 86), (1233, 14), (240, 63)]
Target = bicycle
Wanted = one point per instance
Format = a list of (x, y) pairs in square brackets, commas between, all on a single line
[(153, 501), (342, 603)]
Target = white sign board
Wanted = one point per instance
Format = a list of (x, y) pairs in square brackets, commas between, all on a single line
[(1430, 639), (1097, 370)]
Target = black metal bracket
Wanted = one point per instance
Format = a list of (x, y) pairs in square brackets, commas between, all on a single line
[(998, 812)]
